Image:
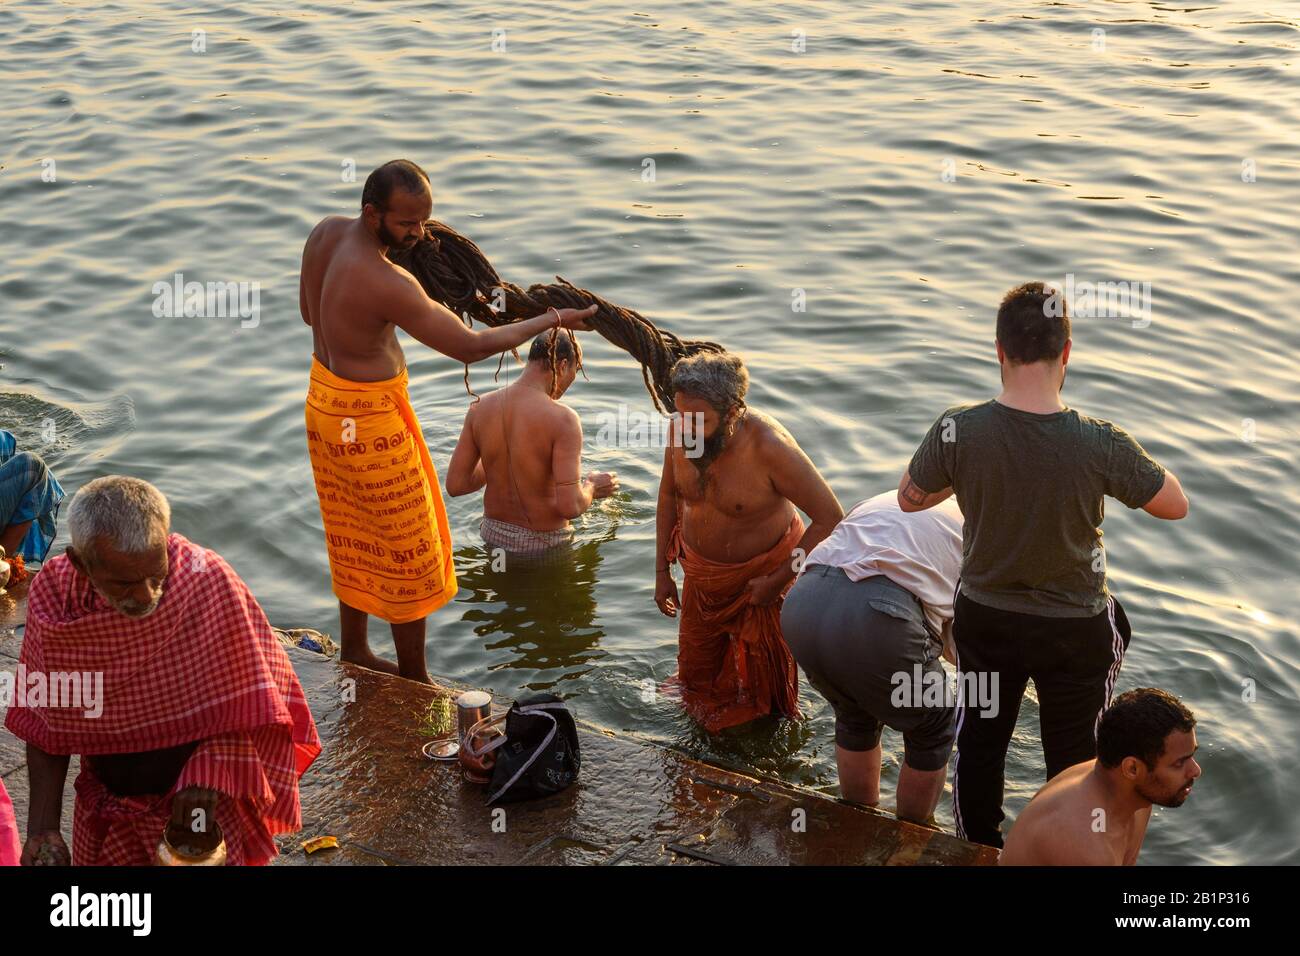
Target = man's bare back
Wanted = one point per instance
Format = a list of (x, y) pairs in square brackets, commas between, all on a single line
[(346, 286), (517, 430), (526, 448), (1074, 821)]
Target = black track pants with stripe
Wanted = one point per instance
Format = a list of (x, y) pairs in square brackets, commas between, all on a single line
[(1073, 662)]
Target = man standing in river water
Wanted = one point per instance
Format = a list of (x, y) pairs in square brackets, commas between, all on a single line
[(1031, 476), (524, 448), (727, 512), (385, 524), (1096, 813)]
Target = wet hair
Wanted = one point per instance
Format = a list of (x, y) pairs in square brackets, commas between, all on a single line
[(130, 514), (566, 348), (1033, 323), (1136, 725), (394, 174), (718, 378), (550, 349)]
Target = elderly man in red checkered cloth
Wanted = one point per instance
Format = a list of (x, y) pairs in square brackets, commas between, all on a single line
[(184, 707)]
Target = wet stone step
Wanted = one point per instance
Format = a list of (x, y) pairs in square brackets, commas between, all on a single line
[(634, 803)]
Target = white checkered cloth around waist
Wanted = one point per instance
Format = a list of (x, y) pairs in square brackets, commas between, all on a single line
[(518, 540)]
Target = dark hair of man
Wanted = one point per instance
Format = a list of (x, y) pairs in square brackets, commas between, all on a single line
[(553, 347), (1033, 323), (1136, 725), (565, 346), (394, 174)]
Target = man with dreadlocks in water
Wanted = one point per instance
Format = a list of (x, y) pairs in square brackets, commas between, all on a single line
[(727, 512), (386, 529), (526, 448)]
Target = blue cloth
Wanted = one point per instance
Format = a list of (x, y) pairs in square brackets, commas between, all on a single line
[(28, 492)]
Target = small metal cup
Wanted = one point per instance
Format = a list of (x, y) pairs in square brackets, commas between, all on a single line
[(471, 707)]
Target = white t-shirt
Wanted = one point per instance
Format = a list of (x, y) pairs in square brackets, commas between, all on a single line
[(920, 551)]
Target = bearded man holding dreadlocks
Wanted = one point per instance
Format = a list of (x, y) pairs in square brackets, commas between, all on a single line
[(386, 529), (733, 484), (525, 449)]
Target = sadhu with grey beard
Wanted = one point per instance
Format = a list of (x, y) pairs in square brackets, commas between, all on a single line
[(733, 484)]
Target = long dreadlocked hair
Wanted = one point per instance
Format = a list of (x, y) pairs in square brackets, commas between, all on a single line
[(453, 271)]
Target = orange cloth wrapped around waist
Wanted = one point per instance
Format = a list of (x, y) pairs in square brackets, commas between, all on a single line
[(732, 662), (385, 524)]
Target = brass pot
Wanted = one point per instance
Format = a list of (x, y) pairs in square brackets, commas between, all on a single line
[(182, 847), (478, 749)]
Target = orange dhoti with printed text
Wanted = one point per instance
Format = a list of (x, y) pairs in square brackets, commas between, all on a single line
[(385, 524)]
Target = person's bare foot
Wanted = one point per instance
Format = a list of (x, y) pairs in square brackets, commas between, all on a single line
[(371, 661)]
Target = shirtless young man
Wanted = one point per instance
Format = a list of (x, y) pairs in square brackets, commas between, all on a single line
[(526, 448), (1096, 813), (386, 528), (727, 511)]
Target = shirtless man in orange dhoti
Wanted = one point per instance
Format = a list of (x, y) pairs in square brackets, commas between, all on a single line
[(385, 525), (732, 479)]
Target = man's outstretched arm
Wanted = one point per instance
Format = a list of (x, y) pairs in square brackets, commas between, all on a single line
[(434, 325)]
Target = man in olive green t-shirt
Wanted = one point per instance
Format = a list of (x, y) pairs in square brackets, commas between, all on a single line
[(1030, 475)]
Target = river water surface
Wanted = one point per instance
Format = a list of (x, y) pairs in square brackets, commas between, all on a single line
[(902, 165)]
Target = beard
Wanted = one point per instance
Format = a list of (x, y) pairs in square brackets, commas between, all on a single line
[(710, 449), (1175, 799), (134, 609), (391, 241)]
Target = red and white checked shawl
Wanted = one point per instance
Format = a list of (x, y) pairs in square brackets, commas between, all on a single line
[(204, 666)]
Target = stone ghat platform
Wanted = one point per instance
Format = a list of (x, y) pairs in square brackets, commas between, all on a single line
[(634, 803)]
